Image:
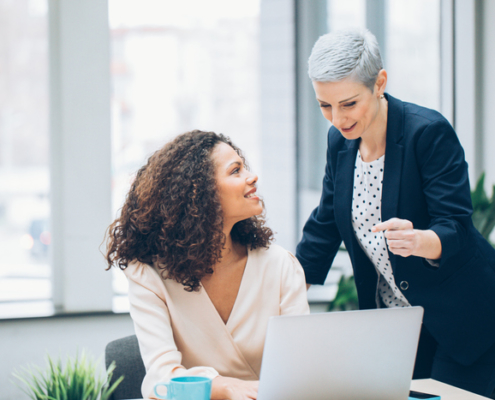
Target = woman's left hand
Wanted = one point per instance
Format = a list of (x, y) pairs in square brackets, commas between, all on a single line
[(403, 240)]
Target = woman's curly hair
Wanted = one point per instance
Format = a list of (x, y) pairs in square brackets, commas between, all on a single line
[(172, 216)]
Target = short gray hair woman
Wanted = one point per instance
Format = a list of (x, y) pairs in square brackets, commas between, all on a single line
[(396, 191), (362, 61)]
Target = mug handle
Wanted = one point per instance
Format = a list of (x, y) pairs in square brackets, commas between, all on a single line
[(167, 385)]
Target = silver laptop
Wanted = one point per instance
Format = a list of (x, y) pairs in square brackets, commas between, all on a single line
[(365, 355)]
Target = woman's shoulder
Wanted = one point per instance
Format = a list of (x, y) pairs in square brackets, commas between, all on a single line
[(142, 273), (420, 125), (419, 115), (274, 256), (136, 268), (146, 278)]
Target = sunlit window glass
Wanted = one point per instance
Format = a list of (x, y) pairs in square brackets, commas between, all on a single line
[(24, 175), (413, 51), (346, 14), (178, 66), (339, 15)]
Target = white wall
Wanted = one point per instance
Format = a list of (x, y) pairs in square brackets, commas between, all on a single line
[(28, 341), (80, 169)]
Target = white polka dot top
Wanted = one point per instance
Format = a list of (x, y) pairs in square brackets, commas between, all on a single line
[(366, 213)]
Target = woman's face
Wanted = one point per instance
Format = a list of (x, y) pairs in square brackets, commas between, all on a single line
[(351, 107), (236, 185)]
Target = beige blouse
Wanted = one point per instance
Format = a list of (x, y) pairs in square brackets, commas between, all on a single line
[(181, 333)]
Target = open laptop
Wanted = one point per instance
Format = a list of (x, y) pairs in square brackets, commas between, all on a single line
[(350, 355)]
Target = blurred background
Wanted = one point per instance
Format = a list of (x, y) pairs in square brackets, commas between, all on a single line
[(90, 89)]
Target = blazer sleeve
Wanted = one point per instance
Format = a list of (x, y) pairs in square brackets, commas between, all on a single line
[(153, 329), (446, 186), (321, 238)]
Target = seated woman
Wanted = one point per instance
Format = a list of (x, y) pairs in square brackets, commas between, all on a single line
[(203, 276)]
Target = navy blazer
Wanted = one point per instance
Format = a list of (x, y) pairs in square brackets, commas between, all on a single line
[(425, 181)]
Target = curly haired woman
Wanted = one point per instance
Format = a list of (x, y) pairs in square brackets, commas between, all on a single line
[(203, 276)]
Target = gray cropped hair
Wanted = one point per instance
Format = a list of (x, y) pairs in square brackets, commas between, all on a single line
[(351, 53)]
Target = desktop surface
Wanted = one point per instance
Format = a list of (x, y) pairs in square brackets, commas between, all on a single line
[(447, 392)]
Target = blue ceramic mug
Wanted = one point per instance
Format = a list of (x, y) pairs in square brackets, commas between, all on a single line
[(186, 388)]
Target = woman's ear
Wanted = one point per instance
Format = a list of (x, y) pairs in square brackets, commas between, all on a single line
[(381, 82)]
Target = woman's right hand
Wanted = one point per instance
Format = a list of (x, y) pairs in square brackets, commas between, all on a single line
[(223, 388)]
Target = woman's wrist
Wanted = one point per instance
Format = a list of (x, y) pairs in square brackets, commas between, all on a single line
[(222, 388), (233, 389), (428, 245), (219, 388)]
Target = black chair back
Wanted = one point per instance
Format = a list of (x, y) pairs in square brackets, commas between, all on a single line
[(125, 353)]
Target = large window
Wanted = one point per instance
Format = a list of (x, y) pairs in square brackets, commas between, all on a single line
[(24, 175), (175, 66), (178, 66)]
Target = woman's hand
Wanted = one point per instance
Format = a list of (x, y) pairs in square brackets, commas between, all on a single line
[(233, 389), (403, 240)]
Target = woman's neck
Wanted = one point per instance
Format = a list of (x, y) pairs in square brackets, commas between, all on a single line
[(231, 251), (373, 144)]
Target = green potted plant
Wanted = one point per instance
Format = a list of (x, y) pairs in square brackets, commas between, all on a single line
[(79, 379), (346, 297), (483, 208)]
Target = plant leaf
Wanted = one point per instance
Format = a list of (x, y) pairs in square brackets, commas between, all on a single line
[(78, 379)]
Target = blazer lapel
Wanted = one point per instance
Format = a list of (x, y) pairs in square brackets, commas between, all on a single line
[(344, 176), (394, 156), (344, 188), (344, 184)]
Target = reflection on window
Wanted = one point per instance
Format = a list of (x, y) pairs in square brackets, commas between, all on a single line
[(413, 53), (178, 66), (24, 176)]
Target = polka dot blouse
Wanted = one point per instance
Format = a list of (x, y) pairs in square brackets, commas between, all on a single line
[(366, 213)]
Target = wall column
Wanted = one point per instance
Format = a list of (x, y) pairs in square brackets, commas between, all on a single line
[(80, 153)]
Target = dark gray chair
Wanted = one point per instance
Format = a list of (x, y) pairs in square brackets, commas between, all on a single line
[(128, 361)]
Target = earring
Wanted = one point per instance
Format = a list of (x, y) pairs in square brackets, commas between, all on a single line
[(382, 96)]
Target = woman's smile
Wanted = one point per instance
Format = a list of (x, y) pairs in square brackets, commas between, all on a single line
[(236, 185), (252, 194), (350, 129)]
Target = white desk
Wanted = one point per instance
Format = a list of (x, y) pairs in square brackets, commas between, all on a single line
[(447, 392)]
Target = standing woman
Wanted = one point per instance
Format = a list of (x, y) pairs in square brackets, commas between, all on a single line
[(204, 278), (396, 191)]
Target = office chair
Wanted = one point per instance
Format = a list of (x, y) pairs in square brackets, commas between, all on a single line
[(125, 353)]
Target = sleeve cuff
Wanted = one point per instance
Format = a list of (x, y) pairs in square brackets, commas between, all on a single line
[(433, 263)]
